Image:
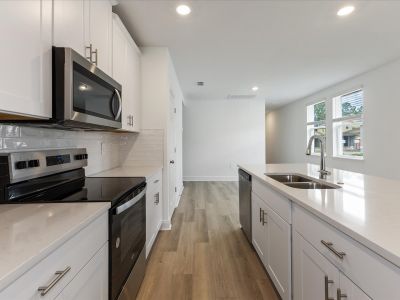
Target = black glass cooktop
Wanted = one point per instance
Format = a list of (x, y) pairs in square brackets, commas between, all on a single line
[(72, 186), (103, 189)]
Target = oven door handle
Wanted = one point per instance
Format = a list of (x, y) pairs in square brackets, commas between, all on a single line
[(129, 203)]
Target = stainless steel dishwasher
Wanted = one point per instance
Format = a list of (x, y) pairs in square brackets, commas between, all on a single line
[(245, 203)]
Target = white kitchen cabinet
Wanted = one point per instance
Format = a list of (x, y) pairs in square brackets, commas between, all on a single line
[(100, 36), (259, 232), (80, 264), (272, 241), (349, 291), (25, 58), (91, 282), (70, 24), (314, 277), (153, 209), (81, 23), (278, 252), (126, 70)]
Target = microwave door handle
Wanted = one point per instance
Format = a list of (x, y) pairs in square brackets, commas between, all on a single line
[(129, 203), (120, 105)]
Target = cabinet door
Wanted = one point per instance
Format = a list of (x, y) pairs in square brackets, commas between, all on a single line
[(119, 67), (278, 260), (69, 24), (135, 85), (91, 282), (349, 291), (259, 231), (25, 57), (313, 274), (100, 27)]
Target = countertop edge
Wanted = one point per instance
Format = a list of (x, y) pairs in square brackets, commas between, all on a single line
[(385, 254), (21, 269)]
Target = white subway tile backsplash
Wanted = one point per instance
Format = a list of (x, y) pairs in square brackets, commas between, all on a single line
[(103, 147), (144, 149)]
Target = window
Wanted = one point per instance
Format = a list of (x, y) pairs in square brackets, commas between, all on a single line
[(316, 116), (348, 125)]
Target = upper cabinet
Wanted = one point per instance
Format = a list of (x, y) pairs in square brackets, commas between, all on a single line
[(126, 70), (85, 26), (25, 58)]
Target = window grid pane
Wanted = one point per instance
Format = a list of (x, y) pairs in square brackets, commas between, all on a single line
[(348, 138)]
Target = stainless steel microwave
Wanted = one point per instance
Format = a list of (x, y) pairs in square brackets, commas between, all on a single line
[(83, 95)]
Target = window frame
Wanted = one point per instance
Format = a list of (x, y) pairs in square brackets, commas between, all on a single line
[(335, 121), (315, 124)]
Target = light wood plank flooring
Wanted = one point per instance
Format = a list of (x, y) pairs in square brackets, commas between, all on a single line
[(205, 255)]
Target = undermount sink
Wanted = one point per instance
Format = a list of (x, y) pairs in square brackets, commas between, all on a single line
[(301, 182), (287, 178)]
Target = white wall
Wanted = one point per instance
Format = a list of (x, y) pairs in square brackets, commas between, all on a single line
[(217, 134), (286, 133)]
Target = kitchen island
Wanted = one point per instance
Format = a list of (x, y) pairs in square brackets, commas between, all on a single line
[(360, 216)]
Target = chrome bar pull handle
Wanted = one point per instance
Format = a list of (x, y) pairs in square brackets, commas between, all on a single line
[(60, 274), (327, 282), (89, 56), (329, 245), (95, 52), (157, 198), (261, 214), (263, 218), (339, 295)]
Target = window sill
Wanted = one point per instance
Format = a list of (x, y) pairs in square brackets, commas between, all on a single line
[(361, 158)]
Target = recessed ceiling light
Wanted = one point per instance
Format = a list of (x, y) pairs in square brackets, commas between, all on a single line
[(183, 10), (345, 11), (255, 88)]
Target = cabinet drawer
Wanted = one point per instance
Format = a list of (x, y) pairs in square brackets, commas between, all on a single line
[(373, 274), (276, 201), (73, 254)]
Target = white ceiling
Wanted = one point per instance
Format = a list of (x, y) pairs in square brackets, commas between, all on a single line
[(290, 49)]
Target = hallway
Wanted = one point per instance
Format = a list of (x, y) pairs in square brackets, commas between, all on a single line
[(205, 255)]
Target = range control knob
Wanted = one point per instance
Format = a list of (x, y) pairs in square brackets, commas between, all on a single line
[(19, 165), (33, 163)]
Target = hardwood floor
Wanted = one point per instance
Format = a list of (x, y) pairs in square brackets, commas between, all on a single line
[(205, 255)]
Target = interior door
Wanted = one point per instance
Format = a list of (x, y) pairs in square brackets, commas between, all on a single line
[(172, 188), (314, 277)]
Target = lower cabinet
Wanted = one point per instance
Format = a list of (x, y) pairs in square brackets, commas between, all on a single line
[(315, 278), (78, 269), (272, 241), (153, 209), (91, 282)]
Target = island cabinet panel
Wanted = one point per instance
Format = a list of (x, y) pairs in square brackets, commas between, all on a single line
[(272, 240), (281, 205), (314, 277), (377, 277)]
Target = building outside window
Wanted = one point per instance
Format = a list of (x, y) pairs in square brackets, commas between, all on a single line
[(348, 125), (316, 124)]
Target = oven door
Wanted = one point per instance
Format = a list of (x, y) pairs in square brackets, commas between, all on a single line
[(127, 240)]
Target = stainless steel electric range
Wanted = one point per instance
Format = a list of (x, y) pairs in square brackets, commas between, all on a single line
[(59, 176)]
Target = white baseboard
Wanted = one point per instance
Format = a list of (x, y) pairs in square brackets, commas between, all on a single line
[(166, 225), (178, 200), (210, 178)]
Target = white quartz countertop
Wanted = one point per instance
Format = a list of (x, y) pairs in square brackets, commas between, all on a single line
[(29, 232), (127, 171), (367, 208)]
